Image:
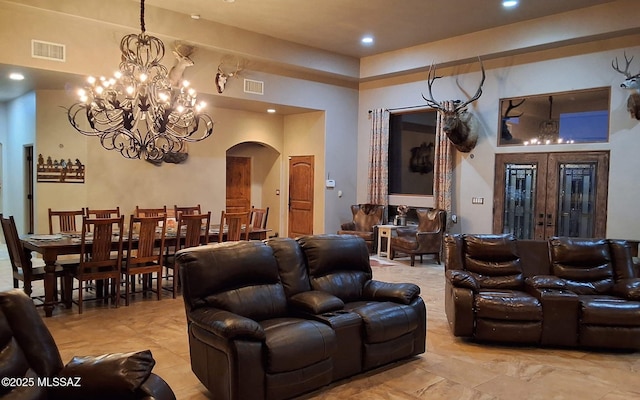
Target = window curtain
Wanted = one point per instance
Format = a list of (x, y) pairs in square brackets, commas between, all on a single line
[(378, 185), (443, 168)]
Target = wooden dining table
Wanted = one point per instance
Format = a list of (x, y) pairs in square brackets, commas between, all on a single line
[(53, 246)]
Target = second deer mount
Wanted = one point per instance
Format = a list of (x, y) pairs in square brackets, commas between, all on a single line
[(222, 77)]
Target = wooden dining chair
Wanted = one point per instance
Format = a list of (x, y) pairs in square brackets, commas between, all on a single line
[(67, 221), (145, 258), (150, 212), (22, 267), (192, 231), (103, 213), (186, 210), (236, 224), (97, 263), (259, 217)]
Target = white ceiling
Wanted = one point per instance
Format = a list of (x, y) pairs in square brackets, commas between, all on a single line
[(332, 25), (338, 25)]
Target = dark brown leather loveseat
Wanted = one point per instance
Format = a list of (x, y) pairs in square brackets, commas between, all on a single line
[(564, 292), (31, 367), (275, 319)]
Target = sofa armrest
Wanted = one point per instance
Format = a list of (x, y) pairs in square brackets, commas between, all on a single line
[(462, 279), (628, 288), (226, 324), (403, 293), (348, 226), (458, 305), (315, 302), (155, 388), (115, 376), (546, 282), (428, 235), (406, 231)]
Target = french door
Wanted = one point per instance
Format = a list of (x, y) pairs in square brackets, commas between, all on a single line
[(540, 195)]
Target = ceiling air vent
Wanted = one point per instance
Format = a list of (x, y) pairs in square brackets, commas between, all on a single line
[(253, 87), (47, 50)]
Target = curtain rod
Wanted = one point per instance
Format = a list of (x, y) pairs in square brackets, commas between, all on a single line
[(404, 108)]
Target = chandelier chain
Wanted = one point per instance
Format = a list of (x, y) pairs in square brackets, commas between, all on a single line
[(142, 27)]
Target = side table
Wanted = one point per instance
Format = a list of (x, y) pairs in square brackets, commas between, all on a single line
[(385, 231)]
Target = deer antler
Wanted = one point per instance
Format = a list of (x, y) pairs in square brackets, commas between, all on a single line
[(430, 79), (616, 66), (433, 103), (478, 92), (231, 74), (511, 107)]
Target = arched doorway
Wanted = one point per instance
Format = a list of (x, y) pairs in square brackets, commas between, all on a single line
[(258, 168)]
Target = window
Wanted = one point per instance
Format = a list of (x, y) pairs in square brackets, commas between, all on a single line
[(412, 139)]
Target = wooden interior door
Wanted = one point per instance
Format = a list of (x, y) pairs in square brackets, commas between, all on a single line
[(300, 196), (238, 184), (540, 195)]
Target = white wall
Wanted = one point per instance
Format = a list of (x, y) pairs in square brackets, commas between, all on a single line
[(536, 73), (21, 131)]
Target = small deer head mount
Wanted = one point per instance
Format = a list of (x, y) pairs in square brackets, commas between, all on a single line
[(222, 77), (505, 134), (182, 52), (631, 82), (456, 120)]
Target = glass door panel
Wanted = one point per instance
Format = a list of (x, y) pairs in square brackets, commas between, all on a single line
[(577, 196), (519, 196), (519, 205)]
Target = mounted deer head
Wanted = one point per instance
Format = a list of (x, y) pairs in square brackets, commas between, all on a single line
[(221, 77), (456, 120), (182, 52), (505, 134), (630, 82)]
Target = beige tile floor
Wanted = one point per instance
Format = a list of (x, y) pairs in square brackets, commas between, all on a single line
[(450, 369)]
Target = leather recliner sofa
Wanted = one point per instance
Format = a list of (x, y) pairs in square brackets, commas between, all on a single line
[(564, 292), (276, 319), (32, 368)]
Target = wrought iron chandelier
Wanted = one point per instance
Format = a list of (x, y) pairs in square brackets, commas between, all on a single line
[(139, 112)]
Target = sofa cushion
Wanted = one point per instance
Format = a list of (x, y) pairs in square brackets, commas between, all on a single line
[(384, 321), (610, 311), (240, 277), (585, 264), (493, 260), (337, 264), (507, 305), (293, 343)]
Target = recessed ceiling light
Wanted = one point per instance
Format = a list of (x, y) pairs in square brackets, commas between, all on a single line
[(229, 1), (195, 16), (509, 3), (15, 76), (271, 110), (367, 40)]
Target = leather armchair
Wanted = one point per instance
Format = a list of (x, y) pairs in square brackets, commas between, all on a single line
[(29, 353), (365, 218), (426, 238)]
